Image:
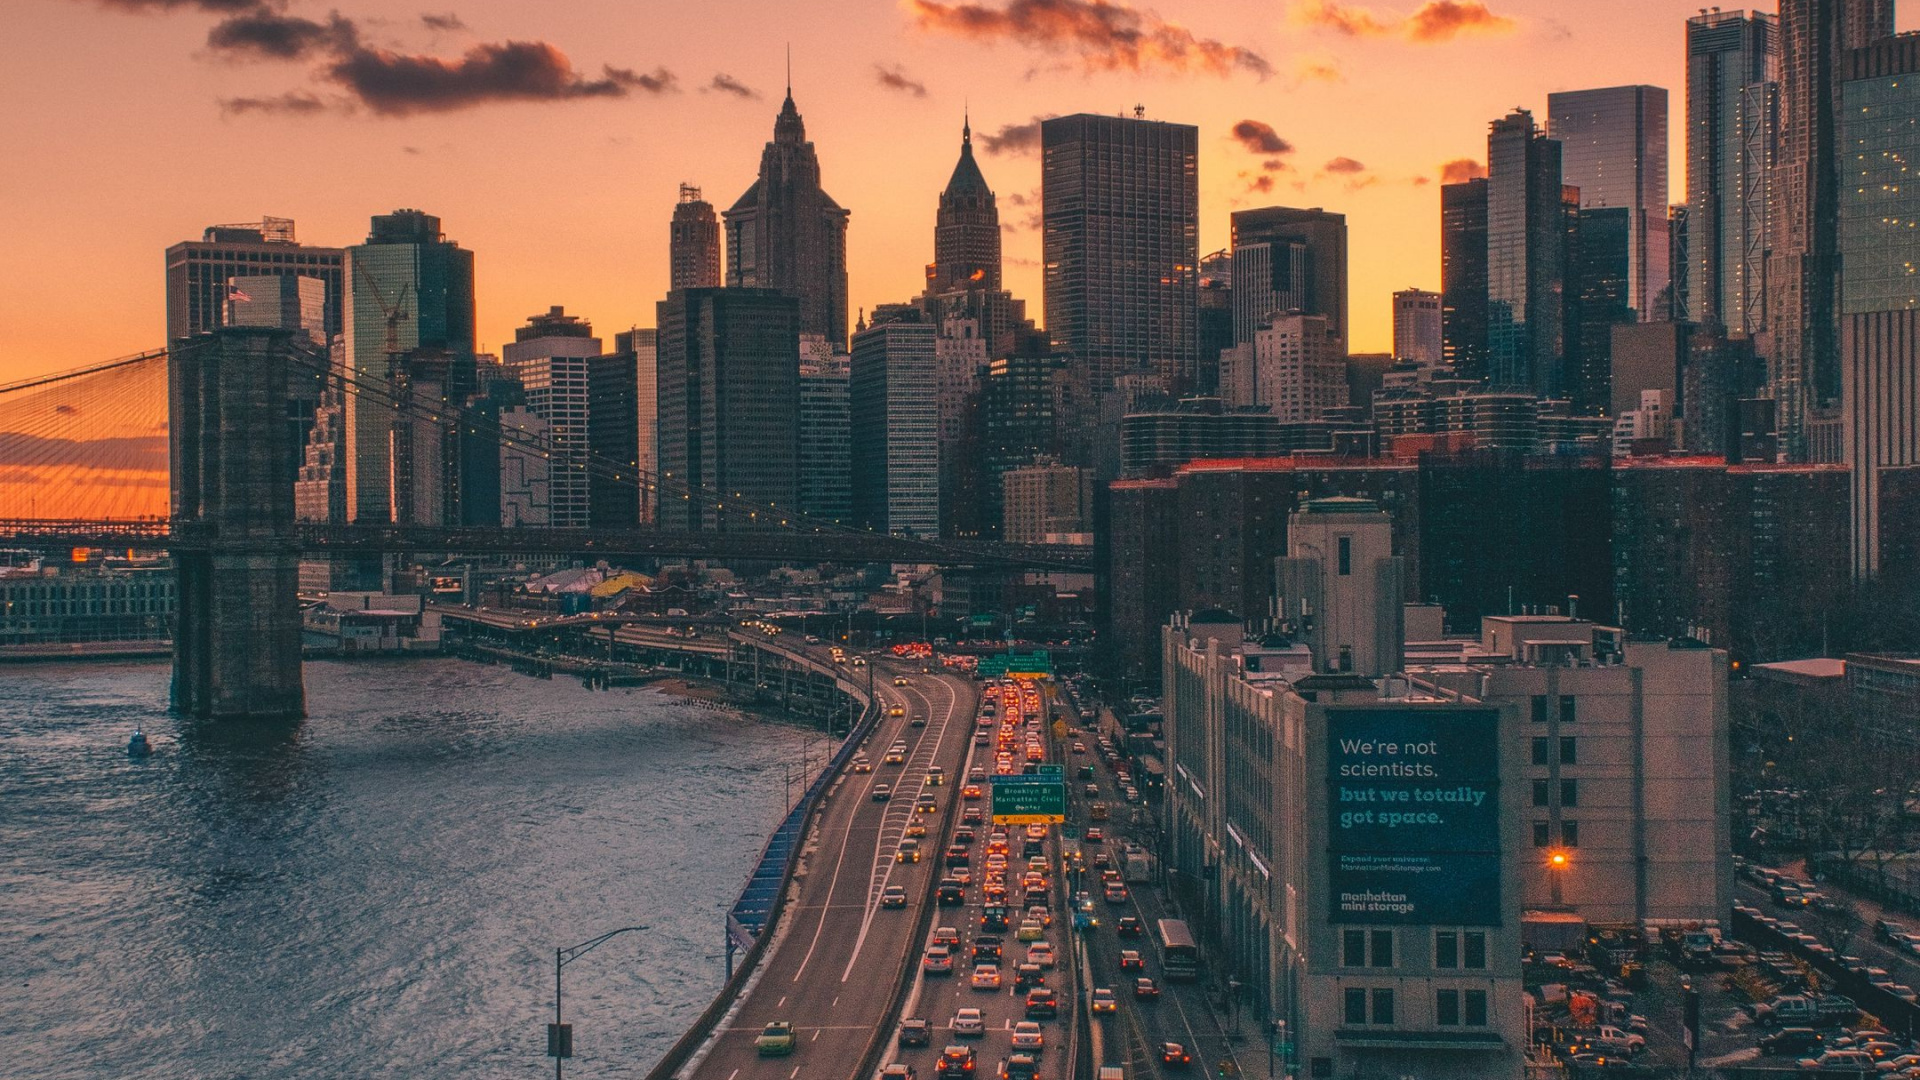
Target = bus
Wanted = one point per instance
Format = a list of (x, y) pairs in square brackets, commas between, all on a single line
[(1179, 956)]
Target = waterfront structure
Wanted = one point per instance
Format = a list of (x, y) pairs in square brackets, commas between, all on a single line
[(826, 458), (86, 604), (1613, 147), (729, 408), (409, 323), (199, 273), (1733, 71), (1289, 260), (786, 233), (1418, 332), (693, 243), (1526, 258), (1045, 502), (1879, 208), (1463, 276), (1121, 240), (894, 411), (551, 357)]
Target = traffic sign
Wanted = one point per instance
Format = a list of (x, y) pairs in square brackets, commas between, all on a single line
[(1057, 771), (1029, 800)]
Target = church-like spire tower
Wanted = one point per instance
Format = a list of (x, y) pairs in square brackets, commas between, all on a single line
[(966, 232)]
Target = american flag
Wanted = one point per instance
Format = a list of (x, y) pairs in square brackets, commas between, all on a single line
[(234, 293)]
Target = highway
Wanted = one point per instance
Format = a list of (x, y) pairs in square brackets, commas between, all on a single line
[(834, 971)]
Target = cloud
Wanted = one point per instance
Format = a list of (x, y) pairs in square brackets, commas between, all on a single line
[(265, 34), (1106, 36), (215, 6), (1014, 138), (1344, 165), (1260, 138), (1261, 184), (1022, 198), (1275, 165), (139, 452), (657, 81), (1317, 69), (1434, 22), (402, 84), (447, 23), (294, 102), (727, 84), (1460, 170), (896, 78), (1420, 181)]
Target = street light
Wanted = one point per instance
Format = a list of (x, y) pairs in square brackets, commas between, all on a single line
[(559, 1035), (1557, 864)]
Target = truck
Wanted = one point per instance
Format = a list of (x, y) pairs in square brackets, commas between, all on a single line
[(1696, 948), (1136, 865)]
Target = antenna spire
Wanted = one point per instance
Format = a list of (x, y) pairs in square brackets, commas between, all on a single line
[(789, 70), (966, 122)]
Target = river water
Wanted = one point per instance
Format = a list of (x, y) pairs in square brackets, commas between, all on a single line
[(376, 893)]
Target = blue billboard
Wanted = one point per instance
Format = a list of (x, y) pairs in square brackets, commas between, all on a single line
[(1413, 816)]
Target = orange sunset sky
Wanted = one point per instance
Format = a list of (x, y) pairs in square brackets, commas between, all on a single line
[(550, 138)]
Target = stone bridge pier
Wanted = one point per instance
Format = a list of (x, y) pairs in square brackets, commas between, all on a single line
[(236, 652)]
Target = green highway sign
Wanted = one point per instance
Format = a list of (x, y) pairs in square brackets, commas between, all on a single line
[(1054, 770), (1029, 800)]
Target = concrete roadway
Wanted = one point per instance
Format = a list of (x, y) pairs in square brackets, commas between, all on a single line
[(833, 974)]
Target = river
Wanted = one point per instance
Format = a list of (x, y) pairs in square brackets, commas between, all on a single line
[(376, 893)]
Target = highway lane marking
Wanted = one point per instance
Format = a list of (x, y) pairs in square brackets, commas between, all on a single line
[(816, 1035), (846, 839), (782, 1003), (733, 1074), (794, 1073)]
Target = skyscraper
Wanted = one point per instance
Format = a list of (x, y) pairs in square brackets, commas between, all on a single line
[(409, 305), (550, 357), (1463, 276), (729, 408), (826, 460), (787, 233), (1306, 272), (198, 270), (1299, 371), (1733, 69), (642, 346), (1526, 257), (1613, 147), (894, 413), (1121, 238), (1599, 283), (693, 243), (1803, 263), (966, 232), (1417, 331)]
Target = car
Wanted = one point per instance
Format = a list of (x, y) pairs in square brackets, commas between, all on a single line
[(925, 805), (915, 1031), (897, 1071), (1175, 1056), (1040, 953), (936, 776), (916, 829), (1079, 747), (896, 710), (909, 851), (972, 815), (862, 765), (961, 874), (775, 1040), (945, 935), (956, 1063), (1030, 930), (1103, 1000), (1129, 927), (1130, 959), (1042, 1004), (986, 976), (973, 793), (951, 894), (938, 961), (1145, 989), (1019, 1067), (893, 896), (882, 792), (1041, 915), (986, 947), (1028, 1036), (1026, 976), (899, 680), (1838, 1059), (1116, 893), (993, 916), (969, 1023), (1096, 835)]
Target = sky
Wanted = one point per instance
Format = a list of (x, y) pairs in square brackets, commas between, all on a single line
[(551, 138)]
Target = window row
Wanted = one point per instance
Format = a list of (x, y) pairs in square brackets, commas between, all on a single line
[(1451, 949), (1374, 1006)]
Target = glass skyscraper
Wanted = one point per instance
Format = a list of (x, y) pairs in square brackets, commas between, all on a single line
[(1733, 92), (1305, 272), (894, 407), (1463, 277), (1526, 258), (1613, 147)]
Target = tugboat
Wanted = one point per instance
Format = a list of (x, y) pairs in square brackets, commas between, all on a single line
[(138, 746)]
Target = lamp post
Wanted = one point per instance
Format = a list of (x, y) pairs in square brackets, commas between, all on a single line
[(1557, 864), (559, 1035)]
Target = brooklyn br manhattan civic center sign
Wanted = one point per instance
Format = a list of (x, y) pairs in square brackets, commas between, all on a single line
[(1413, 816)]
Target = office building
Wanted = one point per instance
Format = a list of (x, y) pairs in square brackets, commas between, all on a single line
[(642, 347), (199, 272), (1804, 260), (1613, 147), (550, 358), (1153, 441), (1018, 421), (1214, 323), (1463, 277), (525, 471), (1418, 333), (1733, 72), (1046, 503), (1599, 283), (826, 460), (1299, 369), (295, 302), (1121, 242), (409, 318), (693, 243), (1303, 270), (960, 363), (1672, 305), (1526, 258), (894, 409), (1341, 588), (787, 233), (963, 280), (88, 604), (615, 483), (729, 408)]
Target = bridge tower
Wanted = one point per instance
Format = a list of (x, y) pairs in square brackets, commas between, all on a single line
[(236, 647)]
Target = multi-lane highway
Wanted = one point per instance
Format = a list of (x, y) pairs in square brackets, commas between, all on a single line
[(833, 972)]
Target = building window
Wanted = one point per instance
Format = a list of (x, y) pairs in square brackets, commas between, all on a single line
[(1476, 949), (1446, 1008), (1382, 949), (1539, 708), (1570, 834), (1346, 555), (1569, 793), (1346, 658), (1446, 949), (1356, 1000), (1353, 948), (1569, 754), (1476, 1008), (1383, 1005), (1539, 750), (1568, 710), (1540, 793), (1541, 837)]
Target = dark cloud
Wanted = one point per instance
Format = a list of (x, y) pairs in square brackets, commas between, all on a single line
[(1344, 165), (657, 81), (218, 7), (1014, 138), (1022, 198), (266, 34), (1420, 181), (727, 84), (1261, 184), (293, 102), (447, 23), (896, 78), (1106, 36), (1460, 170), (1436, 21), (399, 84), (1260, 138)]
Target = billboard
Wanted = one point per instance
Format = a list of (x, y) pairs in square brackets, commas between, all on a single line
[(1413, 816)]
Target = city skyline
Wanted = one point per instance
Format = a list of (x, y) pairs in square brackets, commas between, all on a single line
[(598, 243)]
